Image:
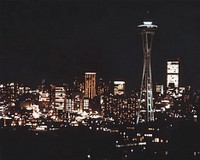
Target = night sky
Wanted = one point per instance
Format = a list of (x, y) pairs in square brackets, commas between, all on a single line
[(61, 39)]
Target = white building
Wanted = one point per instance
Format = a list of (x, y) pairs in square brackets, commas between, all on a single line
[(60, 96), (119, 87), (172, 74)]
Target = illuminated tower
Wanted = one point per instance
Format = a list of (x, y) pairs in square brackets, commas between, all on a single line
[(145, 110), (90, 85)]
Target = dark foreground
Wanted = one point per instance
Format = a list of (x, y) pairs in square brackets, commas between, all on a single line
[(67, 144), (81, 143)]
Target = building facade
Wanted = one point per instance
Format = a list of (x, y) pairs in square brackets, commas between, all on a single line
[(172, 74), (90, 85), (119, 87)]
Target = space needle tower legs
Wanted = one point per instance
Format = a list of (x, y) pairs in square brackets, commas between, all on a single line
[(147, 30)]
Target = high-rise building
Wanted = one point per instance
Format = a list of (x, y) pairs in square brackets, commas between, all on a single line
[(8, 94), (104, 87), (160, 89), (119, 107), (147, 30), (90, 85), (119, 87), (172, 74), (60, 96)]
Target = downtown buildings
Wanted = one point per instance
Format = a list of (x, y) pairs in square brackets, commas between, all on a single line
[(94, 95), (107, 99), (112, 110)]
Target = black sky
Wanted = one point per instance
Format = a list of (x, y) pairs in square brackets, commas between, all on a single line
[(59, 40)]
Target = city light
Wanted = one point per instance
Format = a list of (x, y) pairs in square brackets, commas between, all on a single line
[(70, 84)]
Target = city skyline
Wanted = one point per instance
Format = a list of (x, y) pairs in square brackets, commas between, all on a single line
[(59, 40), (90, 80)]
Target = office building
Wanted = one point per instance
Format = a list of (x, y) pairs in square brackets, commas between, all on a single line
[(172, 74), (160, 89), (119, 87), (60, 96), (90, 85)]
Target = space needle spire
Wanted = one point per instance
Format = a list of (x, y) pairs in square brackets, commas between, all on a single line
[(145, 106)]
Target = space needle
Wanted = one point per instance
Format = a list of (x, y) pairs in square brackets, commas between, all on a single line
[(144, 110)]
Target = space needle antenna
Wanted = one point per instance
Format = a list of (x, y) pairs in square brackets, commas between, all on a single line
[(145, 106)]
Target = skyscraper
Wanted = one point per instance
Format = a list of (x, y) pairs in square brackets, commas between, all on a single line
[(60, 96), (172, 74), (147, 30), (119, 87), (90, 85)]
